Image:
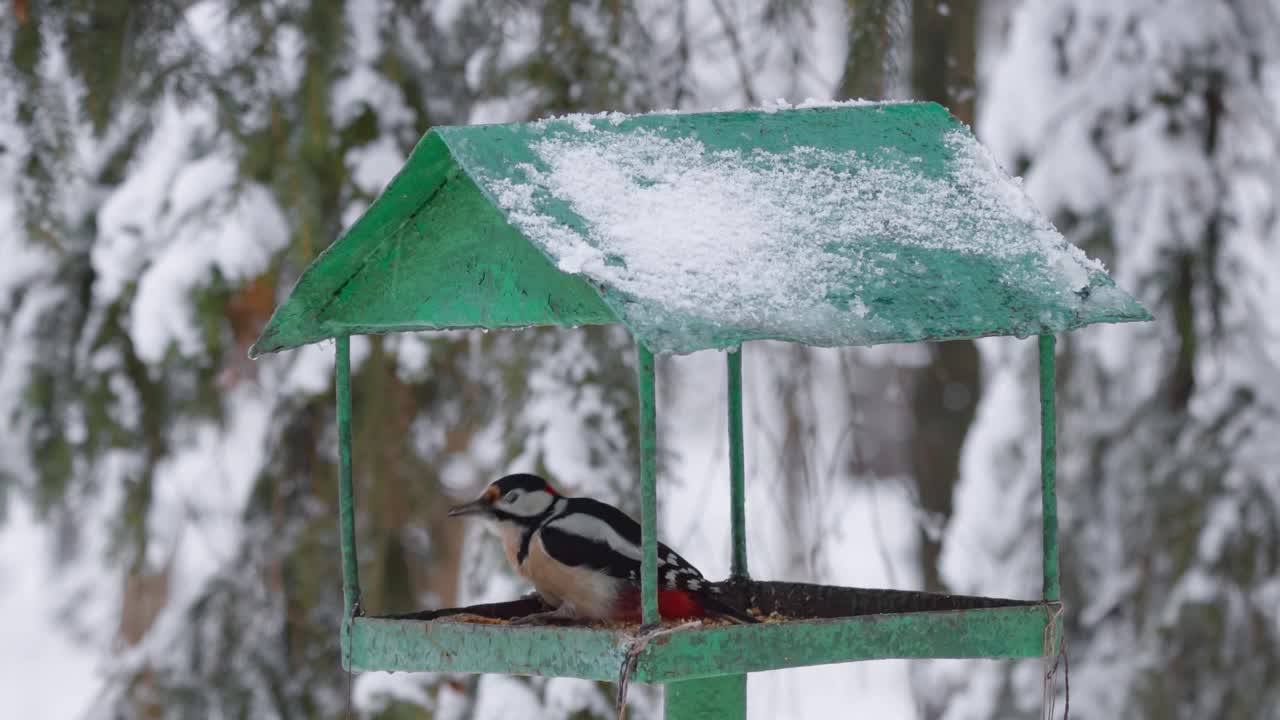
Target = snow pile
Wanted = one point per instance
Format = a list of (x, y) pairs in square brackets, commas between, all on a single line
[(585, 122), (780, 244)]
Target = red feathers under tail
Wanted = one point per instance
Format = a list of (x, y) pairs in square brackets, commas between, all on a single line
[(677, 604)]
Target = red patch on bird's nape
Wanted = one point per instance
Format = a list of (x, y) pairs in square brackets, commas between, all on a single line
[(551, 490), (673, 604)]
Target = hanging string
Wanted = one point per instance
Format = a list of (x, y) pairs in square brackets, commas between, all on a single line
[(638, 644), (1049, 701)]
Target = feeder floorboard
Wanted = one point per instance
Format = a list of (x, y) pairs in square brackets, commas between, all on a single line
[(804, 625)]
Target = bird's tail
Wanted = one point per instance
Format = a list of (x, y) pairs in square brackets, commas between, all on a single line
[(716, 605)]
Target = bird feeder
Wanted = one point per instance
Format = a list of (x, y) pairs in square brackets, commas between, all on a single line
[(844, 225)]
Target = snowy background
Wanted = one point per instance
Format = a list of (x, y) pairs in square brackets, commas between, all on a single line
[(167, 507)]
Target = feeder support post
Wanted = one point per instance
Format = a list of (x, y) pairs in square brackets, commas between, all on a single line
[(737, 468), (648, 486), (346, 496), (1048, 468)]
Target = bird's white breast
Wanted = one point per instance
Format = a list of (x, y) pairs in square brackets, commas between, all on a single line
[(580, 591), (510, 533)]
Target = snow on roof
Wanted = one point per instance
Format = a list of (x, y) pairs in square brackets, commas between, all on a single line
[(831, 224), (849, 224)]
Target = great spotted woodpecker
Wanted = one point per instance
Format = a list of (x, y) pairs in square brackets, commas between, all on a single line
[(583, 556)]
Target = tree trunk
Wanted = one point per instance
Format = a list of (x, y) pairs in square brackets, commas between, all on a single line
[(947, 388), (868, 70)]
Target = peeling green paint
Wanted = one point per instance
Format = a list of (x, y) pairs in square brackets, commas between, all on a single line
[(1008, 632), (453, 646), (450, 645)]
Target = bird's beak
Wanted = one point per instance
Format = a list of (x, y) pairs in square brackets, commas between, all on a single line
[(474, 507)]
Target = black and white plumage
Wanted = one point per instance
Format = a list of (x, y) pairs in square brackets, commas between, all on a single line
[(583, 556)]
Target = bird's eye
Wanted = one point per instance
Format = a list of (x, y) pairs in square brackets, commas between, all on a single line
[(511, 496)]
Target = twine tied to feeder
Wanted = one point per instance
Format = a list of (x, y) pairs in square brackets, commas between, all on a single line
[(1050, 700), (638, 644)]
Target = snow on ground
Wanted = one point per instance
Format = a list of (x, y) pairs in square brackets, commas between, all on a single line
[(43, 673), (195, 523)]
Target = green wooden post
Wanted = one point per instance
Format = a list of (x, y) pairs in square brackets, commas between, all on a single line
[(346, 498), (1048, 468), (737, 468), (717, 698), (648, 487)]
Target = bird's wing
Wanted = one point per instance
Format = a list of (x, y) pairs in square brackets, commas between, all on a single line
[(570, 548), (597, 535)]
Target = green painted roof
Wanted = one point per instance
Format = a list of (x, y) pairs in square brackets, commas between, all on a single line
[(850, 224)]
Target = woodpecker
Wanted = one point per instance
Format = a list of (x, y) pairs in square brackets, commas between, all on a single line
[(583, 555)]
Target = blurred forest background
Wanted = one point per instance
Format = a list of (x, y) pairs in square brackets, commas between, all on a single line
[(168, 528)]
